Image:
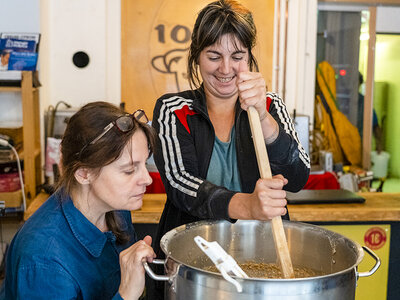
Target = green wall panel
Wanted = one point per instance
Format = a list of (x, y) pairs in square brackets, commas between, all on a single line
[(387, 69)]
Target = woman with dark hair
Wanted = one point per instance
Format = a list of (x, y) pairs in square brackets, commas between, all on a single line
[(80, 244), (205, 153)]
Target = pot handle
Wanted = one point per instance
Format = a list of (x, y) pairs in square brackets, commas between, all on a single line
[(153, 275), (375, 267)]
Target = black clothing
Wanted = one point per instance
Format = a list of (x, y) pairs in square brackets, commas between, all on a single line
[(183, 151)]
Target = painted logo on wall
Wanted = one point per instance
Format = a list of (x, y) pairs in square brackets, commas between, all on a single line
[(169, 43), (375, 238)]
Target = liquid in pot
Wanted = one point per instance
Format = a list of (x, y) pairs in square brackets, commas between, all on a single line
[(269, 270)]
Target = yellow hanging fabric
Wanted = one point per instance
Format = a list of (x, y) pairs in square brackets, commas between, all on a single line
[(330, 141), (347, 133)]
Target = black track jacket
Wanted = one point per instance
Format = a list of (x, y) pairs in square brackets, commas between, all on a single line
[(183, 151)]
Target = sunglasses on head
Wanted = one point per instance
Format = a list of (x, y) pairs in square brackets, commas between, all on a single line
[(123, 123)]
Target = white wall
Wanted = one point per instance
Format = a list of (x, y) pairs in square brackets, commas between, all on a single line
[(300, 56), (388, 19), (19, 15), (16, 16), (92, 26), (67, 26)]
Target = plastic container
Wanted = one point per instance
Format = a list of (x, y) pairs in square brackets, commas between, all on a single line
[(379, 164)]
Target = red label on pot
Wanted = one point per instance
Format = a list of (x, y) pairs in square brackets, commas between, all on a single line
[(375, 238)]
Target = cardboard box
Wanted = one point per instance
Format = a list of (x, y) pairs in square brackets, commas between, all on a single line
[(12, 199)]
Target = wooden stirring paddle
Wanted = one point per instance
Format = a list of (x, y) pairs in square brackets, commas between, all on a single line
[(278, 232)]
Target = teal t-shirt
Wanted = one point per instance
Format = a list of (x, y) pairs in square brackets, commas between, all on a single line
[(223, 169)]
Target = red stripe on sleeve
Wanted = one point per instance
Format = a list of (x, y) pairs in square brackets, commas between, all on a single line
[(269, 101), (182, 115)]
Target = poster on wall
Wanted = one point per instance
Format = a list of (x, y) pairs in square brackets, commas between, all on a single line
[(18, 52)]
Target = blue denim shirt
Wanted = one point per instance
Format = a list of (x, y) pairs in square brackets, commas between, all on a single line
[(59, 254)]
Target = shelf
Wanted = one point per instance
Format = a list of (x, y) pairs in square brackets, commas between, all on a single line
[(10, 89), (36, 153), (30, 132), (14, 89), (11, 199)]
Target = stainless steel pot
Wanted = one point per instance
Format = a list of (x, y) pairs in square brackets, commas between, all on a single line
[(310, 246)]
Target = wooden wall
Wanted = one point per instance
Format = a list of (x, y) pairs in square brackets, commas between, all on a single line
[(155, 35)]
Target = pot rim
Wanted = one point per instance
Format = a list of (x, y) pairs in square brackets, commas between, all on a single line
[(170, 234)]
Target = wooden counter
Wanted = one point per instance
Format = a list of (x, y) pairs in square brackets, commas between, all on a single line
[(153, 206), (377, 207)]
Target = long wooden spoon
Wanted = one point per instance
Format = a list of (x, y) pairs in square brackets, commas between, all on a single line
[(278, 232)]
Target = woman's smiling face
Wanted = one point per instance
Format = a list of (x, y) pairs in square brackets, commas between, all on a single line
[(219, 64)]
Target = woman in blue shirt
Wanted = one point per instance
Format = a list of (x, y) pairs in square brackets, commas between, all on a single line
[(80, 244)]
